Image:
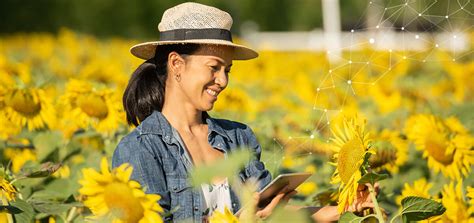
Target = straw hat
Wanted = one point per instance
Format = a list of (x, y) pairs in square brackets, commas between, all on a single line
[(194, 23)]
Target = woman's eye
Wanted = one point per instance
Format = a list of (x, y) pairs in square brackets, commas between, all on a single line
[(215, 68)]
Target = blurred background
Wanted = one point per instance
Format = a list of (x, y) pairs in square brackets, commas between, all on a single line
[(404, 66)]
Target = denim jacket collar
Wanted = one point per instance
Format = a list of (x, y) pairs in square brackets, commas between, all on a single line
[(157, 123)]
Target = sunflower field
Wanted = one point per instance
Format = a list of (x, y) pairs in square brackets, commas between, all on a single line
[(405, 117)]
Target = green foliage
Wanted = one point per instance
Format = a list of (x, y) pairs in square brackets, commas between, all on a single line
[(26, 212), (224, 168), (418, 208), (46, 142), (349, 217), (372, 178)]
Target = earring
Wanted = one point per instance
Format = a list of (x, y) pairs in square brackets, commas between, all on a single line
[(177, 77)]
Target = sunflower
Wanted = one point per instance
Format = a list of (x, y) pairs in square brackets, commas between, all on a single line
[(112, 195), (19, 157), (470, 195), (226, 217), (420, 188), (86, 106), (446, 144), (30, 107), (7, 190), (456, 206), (351, 145), (392, 151), (8, 128)]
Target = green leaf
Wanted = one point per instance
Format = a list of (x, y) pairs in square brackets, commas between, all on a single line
[(418, 208), (45, 143), (352, 218), (10, 209), (224, 168), (44, 170), (52, 207), (27, 212), (372, 178), (281, 215)]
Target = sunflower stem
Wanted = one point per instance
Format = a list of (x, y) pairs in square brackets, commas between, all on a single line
[(71, 214), (378, 212)]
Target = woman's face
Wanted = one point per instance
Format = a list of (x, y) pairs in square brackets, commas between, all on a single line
[(205, 75)]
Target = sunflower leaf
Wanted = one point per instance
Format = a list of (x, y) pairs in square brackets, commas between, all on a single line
[(418, 208), (46, 169), (349, 217), (372, 178), (25, 211), (224, 168), (45, 143)]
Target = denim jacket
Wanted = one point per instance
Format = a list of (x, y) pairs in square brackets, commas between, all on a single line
[(160, 164)]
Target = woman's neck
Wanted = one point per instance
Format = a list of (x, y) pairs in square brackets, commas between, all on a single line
[(181, 116)]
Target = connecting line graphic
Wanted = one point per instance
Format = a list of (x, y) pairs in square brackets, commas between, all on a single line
[(395, 16)]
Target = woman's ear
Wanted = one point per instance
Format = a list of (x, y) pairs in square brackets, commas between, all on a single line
[(175, 63)]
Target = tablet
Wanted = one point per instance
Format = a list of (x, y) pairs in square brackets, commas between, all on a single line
[(293, 180)]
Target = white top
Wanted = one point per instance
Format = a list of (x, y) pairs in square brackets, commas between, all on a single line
[(216, 197)]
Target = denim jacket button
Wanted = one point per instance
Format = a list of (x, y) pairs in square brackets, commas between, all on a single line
[(196, 208), (175, 188)]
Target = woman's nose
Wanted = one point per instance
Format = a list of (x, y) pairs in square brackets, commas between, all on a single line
[(222, 79)]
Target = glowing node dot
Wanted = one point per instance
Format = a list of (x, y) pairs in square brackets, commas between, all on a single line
[(311, 136), (377, 27), (454, 59), (314, 108), (436, 45), (367, 63), (328, 51), (462, 7), (327, 141), (424, 61), (289, 137), (446, 16), (328, 123), (385, 9), (370, 2), (349, 82), (390, 50), (454, 36), (371, 40), (373, 84), (325, 110), (419, 14), (403, 28), (352, 30), (417, 36), (406, 3), (330, 71), (404, 57), (318, 89), (350, 61), (310, 153)]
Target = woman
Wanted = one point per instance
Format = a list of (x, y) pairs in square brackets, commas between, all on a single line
[(167, 99)]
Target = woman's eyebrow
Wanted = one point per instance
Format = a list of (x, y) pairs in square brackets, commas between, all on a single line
[(221, 62)]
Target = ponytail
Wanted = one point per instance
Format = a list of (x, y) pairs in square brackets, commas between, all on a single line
[(145, 91)]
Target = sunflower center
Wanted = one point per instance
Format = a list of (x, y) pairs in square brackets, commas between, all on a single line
[(24, 102), (436, 147), (121, 202), (93, 105), (349, 159)]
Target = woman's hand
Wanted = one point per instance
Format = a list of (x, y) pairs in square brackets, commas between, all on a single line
[(281, 198), (362, 199)]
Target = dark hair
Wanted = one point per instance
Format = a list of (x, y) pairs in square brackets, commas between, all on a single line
[(145, 91)]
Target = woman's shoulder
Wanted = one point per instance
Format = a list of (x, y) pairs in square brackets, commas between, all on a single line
[(235, 130)]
